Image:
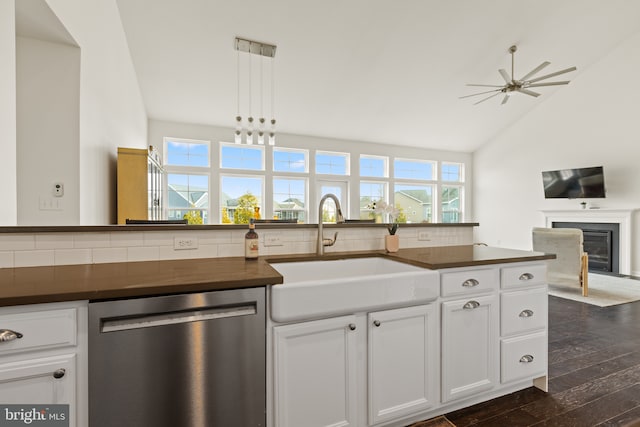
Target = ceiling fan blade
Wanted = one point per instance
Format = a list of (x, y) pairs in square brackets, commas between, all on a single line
[(473, 84), (528, 92), (557, 73), (505, 99), (505, 75), (535, 70), (565, 82), (479, 93), (488, 97)]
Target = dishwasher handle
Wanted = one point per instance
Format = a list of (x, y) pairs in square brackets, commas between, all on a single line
[(175, 317)]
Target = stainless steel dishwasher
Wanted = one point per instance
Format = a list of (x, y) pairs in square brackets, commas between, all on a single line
[(189, 360)]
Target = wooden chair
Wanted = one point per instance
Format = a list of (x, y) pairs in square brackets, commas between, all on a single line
[(570, 268)]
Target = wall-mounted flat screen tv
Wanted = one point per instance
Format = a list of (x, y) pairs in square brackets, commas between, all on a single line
[(581, 183)]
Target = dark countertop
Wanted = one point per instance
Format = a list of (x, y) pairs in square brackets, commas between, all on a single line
[(33, 285), (182, 227)]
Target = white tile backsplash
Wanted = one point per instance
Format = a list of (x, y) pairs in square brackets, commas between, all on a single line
[(72, 256), (53, 241), (143, 253), (34, 258), (106, 255), (6, 259), (91, 240), (17, 242), (22, 250), (132, 238)]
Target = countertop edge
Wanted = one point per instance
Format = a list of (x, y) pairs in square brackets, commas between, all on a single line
[(35, 285)]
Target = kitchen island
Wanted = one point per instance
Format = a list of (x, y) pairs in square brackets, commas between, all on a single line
[(57, 298)]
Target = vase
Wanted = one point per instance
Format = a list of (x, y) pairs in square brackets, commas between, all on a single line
[(391, 243)]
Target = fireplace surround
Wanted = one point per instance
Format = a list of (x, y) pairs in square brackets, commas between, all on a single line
[(622, 217)]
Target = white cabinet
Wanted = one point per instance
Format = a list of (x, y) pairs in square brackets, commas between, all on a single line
[(43, 357), (403, 362), (523, 324), (47, 380), (316, 367), (315, 373), (470, 360)]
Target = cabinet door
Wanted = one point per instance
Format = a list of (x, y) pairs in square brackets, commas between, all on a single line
[(315, 373), (48, 380), (470, 342), (403, 361)]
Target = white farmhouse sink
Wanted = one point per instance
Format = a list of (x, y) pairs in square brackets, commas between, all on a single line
[(314, 289)]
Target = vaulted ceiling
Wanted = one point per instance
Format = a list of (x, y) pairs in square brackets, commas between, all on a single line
[(389, 71)]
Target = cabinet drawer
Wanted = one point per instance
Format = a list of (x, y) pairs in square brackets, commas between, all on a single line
[(469, 281), (39, 330), (523, 275), (523, 357), (523, 311)]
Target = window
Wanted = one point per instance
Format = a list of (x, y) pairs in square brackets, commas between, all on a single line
[(186, 162), (284, 182), (452, 172), (241, 157), (338, 189), (328, 163), (289, 198), (370, 193), (289, 160), (188, 197), (374, 166), (413, 169), (451, 204), (414, 202), (185, 152), (240, 198)]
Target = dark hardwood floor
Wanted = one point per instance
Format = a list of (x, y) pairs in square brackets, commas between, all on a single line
[(594, 373)]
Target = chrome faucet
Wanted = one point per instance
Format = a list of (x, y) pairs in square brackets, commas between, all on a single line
[(322, 242)]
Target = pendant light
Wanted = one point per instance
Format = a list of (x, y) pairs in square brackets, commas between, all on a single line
[(254, 126)]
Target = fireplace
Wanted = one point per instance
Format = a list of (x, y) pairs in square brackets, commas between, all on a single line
[(601, 242), (621, 217)]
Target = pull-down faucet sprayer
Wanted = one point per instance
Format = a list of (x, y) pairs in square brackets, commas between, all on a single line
[(322, 242)]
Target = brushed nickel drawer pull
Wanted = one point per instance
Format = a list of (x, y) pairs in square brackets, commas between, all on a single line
[(59, 373), (376, 323), (9, 335), (526, 313), (470, 283), (352, 326), (525, 276), (527, 358), (471, 305)]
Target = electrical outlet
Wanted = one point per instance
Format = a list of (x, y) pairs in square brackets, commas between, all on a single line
[(272, 239), (423, 235), (182, 243)]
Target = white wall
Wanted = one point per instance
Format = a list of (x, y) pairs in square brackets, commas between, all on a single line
[(8, 178), (160, 129), (112, 113), (48, 144), (593, 121)]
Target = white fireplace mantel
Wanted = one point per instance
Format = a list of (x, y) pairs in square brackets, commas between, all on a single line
[(614, 216)]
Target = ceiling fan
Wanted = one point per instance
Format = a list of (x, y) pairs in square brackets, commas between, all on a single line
[(521, 85)]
